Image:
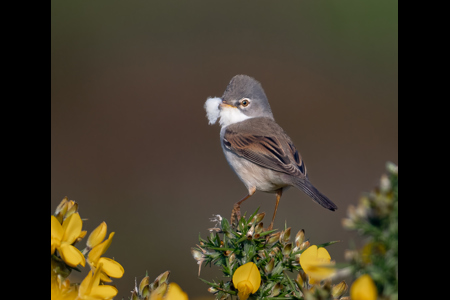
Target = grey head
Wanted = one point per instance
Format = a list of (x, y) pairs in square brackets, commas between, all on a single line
[(248, 96)]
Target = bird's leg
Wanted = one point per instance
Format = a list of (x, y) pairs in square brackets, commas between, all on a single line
[(279, 193), (236, 212)]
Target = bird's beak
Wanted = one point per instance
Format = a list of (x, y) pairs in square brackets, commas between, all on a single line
[(223, 105)]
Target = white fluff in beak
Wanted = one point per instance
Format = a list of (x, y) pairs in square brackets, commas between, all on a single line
[(212, 109)]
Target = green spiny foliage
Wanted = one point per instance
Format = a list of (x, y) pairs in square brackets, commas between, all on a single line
[(145, 288), (276, 256), (375, 218)]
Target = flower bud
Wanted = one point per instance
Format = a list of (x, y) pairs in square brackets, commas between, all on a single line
[(300, 238), (304, 245), (275, 290), (301, 278), (392, 168), (198, 255), (144, 283), (81, 236), (232, 258), (274, 252), (287, 249), (259, 228), (61, 209), (146, 292), (269, 267), (163, 277), (285, 236), (273, 238), (134, 295), (250, 232), (97, 236), (72, 207), (258, 218), (339, 289), (159, 290)]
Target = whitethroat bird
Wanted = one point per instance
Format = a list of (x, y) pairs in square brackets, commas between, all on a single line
[(257, 149)]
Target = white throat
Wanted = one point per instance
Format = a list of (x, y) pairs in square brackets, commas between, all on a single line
[(228, 115)]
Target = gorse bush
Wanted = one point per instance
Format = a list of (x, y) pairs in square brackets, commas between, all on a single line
[(275, 266), (285, 269), (375, 218), (66, 232)]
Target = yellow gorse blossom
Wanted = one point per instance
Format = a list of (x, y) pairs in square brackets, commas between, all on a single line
[(316, 263), (246, 280), (90, 288), (363, 289), (111, 268), (63, 236), (61, 289), (97, 236), (66, 225), (174, 292)]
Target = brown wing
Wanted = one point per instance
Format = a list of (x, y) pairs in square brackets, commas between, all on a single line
[(275, 152), (298, 160)]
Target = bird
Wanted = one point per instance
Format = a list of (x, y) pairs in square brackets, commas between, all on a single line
[(257, 149)]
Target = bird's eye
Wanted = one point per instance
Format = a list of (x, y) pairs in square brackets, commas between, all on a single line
[(245, 102)]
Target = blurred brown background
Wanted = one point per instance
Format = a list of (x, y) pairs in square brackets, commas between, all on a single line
[(131, 144)]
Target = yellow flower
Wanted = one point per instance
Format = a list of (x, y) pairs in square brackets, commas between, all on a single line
[(110, 267), (246, 280), (61, 289), (371, 249), (96, 236), (90, 288), (363, 289), (174, 292), (316, 263), (63, 236)]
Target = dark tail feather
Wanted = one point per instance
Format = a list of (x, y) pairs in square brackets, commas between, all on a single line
[(317, 196)]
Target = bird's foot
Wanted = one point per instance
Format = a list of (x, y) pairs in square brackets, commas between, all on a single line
[(235, 213), (269, 228)]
